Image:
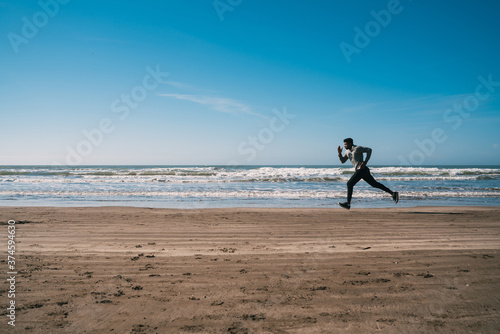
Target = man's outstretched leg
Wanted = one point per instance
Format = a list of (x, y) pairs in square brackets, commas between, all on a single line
[(358, 175), (367, 176)]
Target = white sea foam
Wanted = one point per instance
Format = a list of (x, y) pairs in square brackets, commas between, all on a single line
[(227, 174), (273, 183), (253, 194)]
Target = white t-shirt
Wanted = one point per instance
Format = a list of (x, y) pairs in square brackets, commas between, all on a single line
[(355, 154)]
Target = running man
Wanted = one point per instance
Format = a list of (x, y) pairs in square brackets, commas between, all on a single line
[(355, 154)]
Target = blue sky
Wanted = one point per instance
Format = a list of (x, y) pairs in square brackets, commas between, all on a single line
[(249, 82)]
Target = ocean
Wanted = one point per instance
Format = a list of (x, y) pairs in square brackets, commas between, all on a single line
[(244, 186)]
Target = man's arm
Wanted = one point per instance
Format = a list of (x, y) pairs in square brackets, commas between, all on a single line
[(368, 152), (342, 158)]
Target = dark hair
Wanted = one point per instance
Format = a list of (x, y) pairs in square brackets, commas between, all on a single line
[(349, 140)]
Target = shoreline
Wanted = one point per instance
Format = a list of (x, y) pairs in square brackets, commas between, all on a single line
[(356, 206), (395, 206), (205, 186), (267, 270)]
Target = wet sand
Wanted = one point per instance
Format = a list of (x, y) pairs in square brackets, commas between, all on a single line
[(140, 270)]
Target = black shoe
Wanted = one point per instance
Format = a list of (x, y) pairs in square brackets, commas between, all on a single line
[(345, 205), (395, 197)]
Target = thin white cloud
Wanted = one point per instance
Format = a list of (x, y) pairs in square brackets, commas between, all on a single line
[(178, 84), (220, 104)]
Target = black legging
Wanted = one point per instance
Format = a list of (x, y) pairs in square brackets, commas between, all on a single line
[(364, 174)]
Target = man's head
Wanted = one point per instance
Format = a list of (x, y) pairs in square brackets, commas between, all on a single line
[(348, 143)]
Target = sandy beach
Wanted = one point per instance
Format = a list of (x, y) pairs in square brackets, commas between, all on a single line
[(140, 270)]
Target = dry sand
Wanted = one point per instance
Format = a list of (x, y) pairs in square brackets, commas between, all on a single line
[(140, 270)]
